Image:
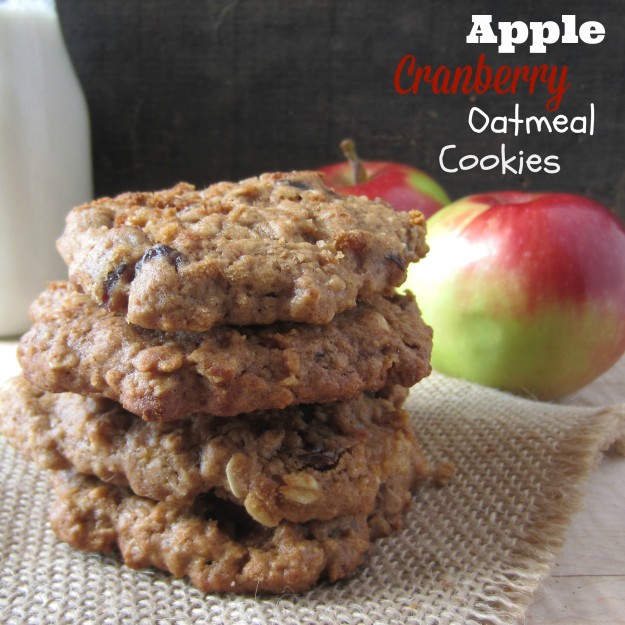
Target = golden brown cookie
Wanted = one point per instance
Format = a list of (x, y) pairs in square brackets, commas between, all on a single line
[(302, 463), (282, 246), (213, 542), (75, 345)]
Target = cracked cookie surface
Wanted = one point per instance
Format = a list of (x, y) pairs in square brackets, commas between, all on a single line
[(75, 345), (282, 246), (298, 464)]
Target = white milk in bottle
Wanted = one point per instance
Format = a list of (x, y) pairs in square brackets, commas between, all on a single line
[(45, 155)]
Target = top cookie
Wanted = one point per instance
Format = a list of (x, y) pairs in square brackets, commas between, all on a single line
[(282, 246)]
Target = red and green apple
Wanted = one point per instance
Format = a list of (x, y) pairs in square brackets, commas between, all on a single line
[(525, 292), (403, 187)]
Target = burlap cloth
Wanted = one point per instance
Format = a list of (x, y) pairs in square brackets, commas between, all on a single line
[(472, 551)]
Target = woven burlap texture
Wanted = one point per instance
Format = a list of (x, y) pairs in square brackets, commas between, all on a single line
[(472, 551)]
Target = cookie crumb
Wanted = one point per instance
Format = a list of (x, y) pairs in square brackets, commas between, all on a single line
[(443, 473)]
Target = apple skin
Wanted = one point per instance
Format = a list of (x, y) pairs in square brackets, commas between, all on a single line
[(403, 187), (525, 292)]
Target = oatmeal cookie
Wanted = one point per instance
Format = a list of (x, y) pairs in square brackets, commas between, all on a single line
[(213, 542), (282, 246), (298, 464), (75, 345)]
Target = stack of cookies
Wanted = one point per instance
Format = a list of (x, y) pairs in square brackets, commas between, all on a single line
[(218, 388)]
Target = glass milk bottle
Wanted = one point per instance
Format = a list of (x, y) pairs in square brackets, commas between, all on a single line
[(45, 154)]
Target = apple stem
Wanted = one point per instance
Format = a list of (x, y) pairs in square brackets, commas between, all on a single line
[(359, 173)]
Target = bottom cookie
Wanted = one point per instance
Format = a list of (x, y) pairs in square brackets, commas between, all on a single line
[(214, 542)]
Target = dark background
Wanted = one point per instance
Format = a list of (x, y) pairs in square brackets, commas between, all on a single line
[(203, 90)]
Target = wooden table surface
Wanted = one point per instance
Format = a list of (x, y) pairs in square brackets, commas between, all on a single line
[(587, 582)]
